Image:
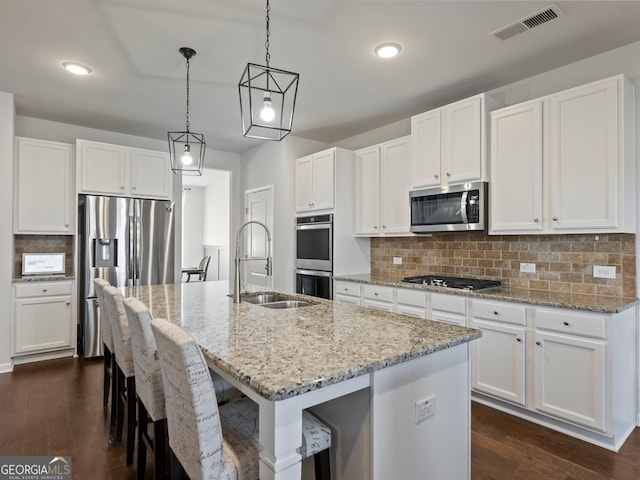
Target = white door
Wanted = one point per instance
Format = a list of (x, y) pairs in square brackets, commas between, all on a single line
[(323, 180), (258, 205), (462, 141), (367, 214), (304, 184), (396, 183)]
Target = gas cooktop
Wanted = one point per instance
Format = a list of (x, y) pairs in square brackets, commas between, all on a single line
[(453, 282)]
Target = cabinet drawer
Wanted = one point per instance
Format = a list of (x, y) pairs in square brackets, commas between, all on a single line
[(42, 289), (347, 299), (572, 323), (415, 298), (411, 311), (453, 318), (376, 292), (499, 312), (376, 305), (448, 303), (348, 288)]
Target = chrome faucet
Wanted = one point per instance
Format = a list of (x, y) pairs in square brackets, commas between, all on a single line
[(268, 267)]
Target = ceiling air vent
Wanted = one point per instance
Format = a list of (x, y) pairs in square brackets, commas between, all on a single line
[(527, 23)]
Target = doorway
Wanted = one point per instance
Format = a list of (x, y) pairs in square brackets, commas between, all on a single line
[(206, 205)]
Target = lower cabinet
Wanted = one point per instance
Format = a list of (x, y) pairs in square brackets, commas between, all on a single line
[(347, 292), (570, 367), (378, 298), (498, 358), (43, 320), (448, 308)]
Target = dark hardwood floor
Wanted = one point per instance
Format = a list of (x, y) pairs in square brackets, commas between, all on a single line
[(55, 408)]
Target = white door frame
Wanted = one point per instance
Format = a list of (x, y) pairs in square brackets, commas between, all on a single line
[(269, 189)]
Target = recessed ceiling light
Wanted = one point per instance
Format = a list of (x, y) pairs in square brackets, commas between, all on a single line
[(76, 68), (387, 50)]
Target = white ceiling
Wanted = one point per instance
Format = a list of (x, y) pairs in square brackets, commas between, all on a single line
[(138, 81)]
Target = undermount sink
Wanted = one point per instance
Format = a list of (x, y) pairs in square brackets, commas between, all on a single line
[(272, 300), (287, 304), (262, 297)]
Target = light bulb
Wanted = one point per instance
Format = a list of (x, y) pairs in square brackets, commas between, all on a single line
[(186, 158), (267, 113)]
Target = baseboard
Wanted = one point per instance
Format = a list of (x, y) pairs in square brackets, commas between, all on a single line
[(37, 357), (6, 367)]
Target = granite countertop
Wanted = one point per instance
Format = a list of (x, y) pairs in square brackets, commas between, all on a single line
[(43, 278), (283, 353), (593, 303)]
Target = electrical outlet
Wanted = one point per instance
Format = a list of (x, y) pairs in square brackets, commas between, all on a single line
[(397, 260), (528, 267), (425, 409), (602, 271)]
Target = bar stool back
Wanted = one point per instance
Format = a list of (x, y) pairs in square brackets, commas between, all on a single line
[(107, 347)]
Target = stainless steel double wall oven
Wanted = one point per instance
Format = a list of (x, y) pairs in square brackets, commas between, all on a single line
[(314, 255)]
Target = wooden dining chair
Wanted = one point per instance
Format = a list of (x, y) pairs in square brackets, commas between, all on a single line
[(125, 374), (210, 441), (107, 347)]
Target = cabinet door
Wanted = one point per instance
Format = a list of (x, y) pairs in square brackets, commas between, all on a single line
[(411, 311), (367, 203), (43, 188), (102, 168), (498, 361), (516, 169), (585, 158), (347, 299), (323, 180), (150, 174), (425, 146), (396, 183), (304, 184), (462, 141), (42, 324), (570, 378), (376, 305)]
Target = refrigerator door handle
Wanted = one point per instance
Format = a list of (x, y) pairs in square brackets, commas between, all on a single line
[(130, 257)]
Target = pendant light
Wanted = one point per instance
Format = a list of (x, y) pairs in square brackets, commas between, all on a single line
[(186, 149), (267, 98)]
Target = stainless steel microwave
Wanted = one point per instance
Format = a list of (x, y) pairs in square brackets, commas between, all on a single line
[(449, 209)]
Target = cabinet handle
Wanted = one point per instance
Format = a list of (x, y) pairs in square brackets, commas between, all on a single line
[(66, 224), (121, 187), (566, 324), (68, 303), (133, 188), (518, 339), (536, 220), (496, 312), (375, 293), (384, 226), (448, 174), (375, 226), (44, 290), (538, 343), (555, 219), (435, 175)]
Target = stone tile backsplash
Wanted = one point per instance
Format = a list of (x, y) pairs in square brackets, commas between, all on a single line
[(43, 244), (564, 263)]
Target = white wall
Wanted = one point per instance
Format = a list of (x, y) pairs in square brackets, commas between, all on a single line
[(192, 226), (216, 210), (272, 163), (7, 115)]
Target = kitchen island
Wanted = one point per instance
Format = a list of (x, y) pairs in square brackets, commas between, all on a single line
[(288, 360)]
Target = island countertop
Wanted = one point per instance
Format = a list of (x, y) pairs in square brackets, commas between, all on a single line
[(577, 301), (280, 353)]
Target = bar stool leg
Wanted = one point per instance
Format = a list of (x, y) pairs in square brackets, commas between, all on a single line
[(131, 418)]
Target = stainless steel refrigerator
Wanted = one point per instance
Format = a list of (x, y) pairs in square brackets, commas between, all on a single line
[(126, 241)]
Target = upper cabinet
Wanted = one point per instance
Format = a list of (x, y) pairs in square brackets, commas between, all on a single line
[(106, 169), (568, 160), (383, 181), (448, 144), (43, 187), (315, 182)]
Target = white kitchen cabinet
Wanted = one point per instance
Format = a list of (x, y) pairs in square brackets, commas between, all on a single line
[(44, 319), (43, 187), (516, 169), (378, 297), (107, 169), (448, 143), (498, 358), (582, 140), (570, 366), (383, 180), (315, 182), (347, 292), (448, 308), (411, 302)]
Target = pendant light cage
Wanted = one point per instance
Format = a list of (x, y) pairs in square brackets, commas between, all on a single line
[(267, 97), (259, 83), (186, 148)]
